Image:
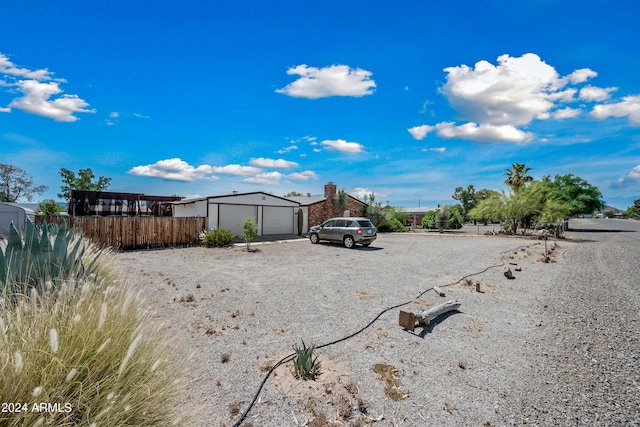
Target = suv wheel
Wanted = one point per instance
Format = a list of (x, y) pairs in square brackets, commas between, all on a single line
[(349, 242), (314, 238)]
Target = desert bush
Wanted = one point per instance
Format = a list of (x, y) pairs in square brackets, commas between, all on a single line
[(391, 225), (86, 349), (218, 237)]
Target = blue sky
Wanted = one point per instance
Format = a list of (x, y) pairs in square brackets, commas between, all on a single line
[(406, 100)]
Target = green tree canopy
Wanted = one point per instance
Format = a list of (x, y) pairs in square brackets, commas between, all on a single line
[(293, 194), (16, 183), (49, 207), (466, 197), (84, 181), (583, 197), (633, 210), (533, 202)]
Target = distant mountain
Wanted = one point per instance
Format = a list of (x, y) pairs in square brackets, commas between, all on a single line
[(608, 208)]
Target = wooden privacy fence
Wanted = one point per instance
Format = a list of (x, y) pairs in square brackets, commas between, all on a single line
[(133, 232)]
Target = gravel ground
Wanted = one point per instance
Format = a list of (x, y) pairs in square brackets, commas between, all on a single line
[(557, 345)]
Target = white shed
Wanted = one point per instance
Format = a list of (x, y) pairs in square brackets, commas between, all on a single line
[(273, 214), (16, 214)]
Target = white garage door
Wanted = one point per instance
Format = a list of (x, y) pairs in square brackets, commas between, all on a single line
[(232, 216), (277, 220)]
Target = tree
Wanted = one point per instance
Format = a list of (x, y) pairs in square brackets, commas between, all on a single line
[(517, 176), (49, 207), (583, 197), (84, 181), (293, 194), (633, 210), (16, 183), (467, 199), (374, 211), (340, 201), (485, 193), (535, 202)]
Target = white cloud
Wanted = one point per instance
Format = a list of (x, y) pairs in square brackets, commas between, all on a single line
[(36, 100), (581, 75), (628, 107), (141, 116), (497, 100), (266, 178), (483, 133), (420, 132), (598, 94), (335, 80), (287, 149), (234, 169), (436, 149), (343, 146), (631, 179), (41, 93), (273, 163), (5, 110), (566, 113), (174, 170), (512, 93), (114, 115), (303, 176), (9, 68)]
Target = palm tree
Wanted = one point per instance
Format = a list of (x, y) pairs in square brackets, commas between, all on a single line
[(517, 176)]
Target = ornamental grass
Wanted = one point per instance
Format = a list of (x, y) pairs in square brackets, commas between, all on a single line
[(81, 350)]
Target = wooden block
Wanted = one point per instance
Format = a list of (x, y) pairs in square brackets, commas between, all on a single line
[(407, 320)]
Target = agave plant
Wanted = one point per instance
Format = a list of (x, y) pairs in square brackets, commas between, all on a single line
[(46, 253), (306, 366)]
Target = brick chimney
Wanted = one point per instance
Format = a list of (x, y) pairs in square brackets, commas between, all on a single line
[(329, 191)]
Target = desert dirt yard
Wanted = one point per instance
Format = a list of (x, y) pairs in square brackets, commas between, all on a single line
[(556, 345)]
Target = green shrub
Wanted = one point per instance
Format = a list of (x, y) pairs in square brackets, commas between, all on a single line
[(218, 237), (455, 220), (429, 220), (90, 348), (250, 228), (391, 225), (305, 365)]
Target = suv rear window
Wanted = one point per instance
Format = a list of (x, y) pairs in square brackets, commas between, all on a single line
[(365, 223)]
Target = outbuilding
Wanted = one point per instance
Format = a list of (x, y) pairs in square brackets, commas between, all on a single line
[(273, 214), (16, 214)]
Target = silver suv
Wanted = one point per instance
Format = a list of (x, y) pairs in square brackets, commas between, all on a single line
[(347, 231)]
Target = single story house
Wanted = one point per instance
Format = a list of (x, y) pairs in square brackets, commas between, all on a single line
[(319, 208), (14, 213), (273, 214)]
